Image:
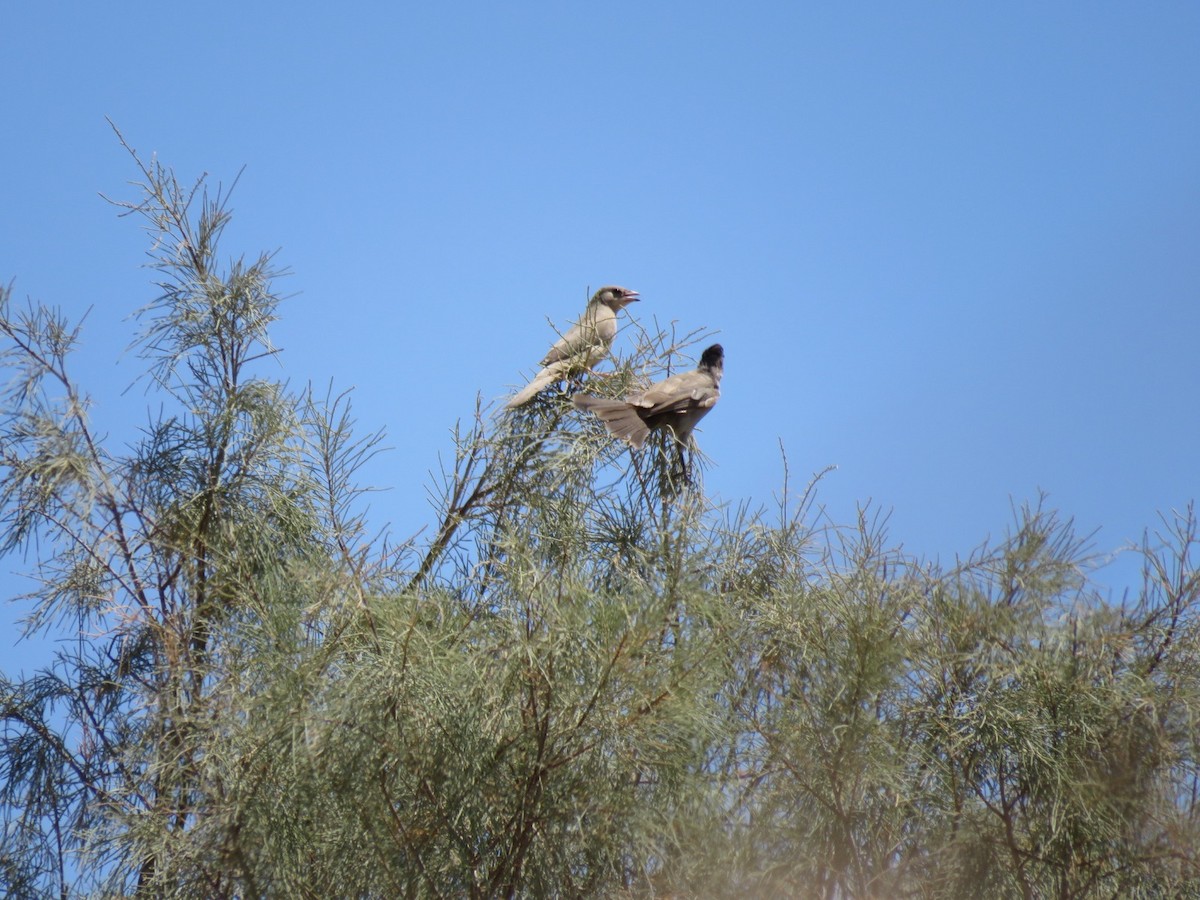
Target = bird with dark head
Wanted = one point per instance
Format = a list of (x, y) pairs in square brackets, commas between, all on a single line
[(583, 346), (676, 403)]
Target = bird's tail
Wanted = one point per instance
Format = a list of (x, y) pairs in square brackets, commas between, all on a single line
[(542, 379), (621, 419)]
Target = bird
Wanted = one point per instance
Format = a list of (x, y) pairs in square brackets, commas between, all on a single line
[(581, 347), (676, 403)]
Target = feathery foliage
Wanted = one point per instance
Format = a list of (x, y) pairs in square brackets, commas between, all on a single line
[(587, 681)]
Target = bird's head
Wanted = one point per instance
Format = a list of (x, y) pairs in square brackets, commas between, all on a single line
[(614, 297), (713, 358)]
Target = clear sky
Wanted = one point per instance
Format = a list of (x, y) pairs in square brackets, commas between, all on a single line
[(951, 248)]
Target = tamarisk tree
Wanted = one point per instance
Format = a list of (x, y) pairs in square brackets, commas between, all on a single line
[(586, 680)]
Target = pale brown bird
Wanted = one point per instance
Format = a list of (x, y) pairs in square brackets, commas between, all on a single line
[(581, 347), (677, 403)]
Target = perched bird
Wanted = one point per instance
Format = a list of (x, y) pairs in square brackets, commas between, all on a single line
[(677, 403), (581, 347)]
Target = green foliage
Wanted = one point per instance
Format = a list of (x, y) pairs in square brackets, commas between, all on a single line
[(588, 681)]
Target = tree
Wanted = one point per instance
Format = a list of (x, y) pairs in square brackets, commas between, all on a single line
[(588, 681), (182, 555)]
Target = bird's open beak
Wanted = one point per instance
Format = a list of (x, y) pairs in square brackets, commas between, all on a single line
[(632, 296)]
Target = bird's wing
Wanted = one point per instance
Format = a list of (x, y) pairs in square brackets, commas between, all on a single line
[(569, 344), (588, 339), (581, 340), (689, 390)]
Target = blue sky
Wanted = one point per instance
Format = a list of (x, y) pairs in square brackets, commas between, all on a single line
[(952, 249)]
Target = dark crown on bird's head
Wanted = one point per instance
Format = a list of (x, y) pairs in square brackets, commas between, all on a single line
[(713, 357)]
